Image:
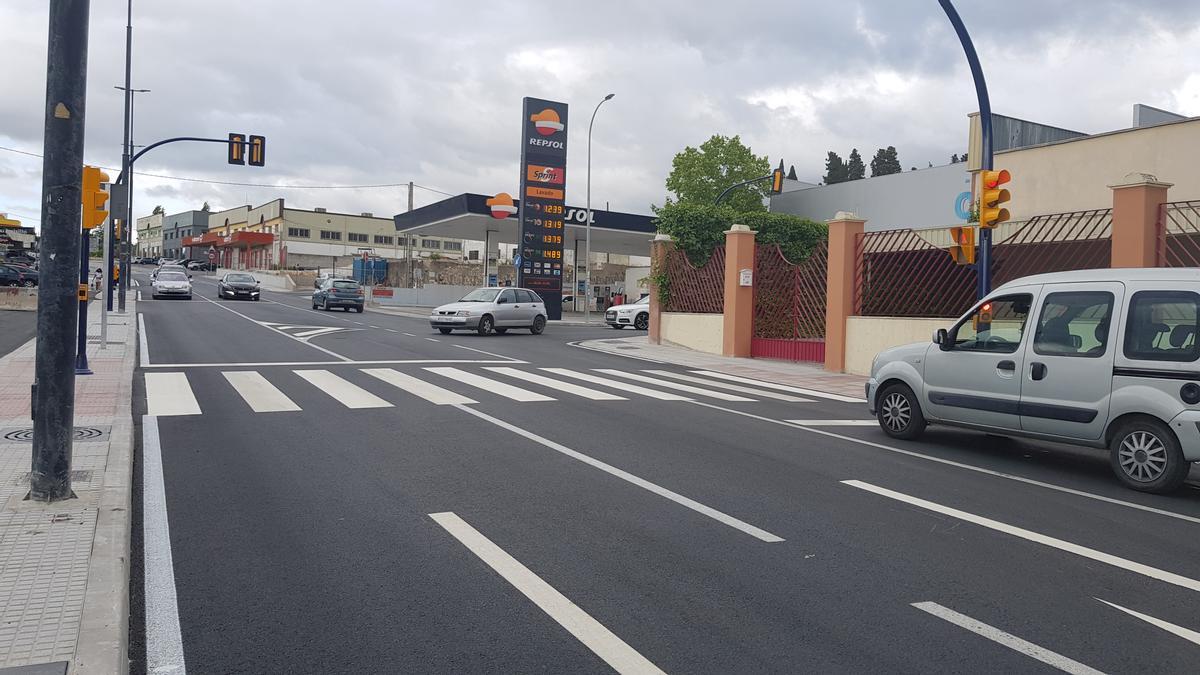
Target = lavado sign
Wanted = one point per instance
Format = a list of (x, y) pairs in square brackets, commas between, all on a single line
[(541, 210)]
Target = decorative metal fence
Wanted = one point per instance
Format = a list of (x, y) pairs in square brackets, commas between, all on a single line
[(789, 305), (900, 273), (696, 289), (1179, 234)]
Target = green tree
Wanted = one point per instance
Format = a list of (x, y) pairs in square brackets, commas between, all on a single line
[(699, 175), (885, 162), (157, 210), (698, 229), (854, 166), (835, 169)]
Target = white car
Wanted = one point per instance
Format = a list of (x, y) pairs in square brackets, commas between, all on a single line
[(636, 314), (172, 284)]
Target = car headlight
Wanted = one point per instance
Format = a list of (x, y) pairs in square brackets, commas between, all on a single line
[(464, 312)]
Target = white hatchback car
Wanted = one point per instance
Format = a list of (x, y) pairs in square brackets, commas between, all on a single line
[(172, 284), (1112, 361), (636, 314)]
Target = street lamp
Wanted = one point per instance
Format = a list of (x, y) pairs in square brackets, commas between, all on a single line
[(587, 247)]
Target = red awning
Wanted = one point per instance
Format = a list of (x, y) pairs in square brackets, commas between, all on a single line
[(237, 240)]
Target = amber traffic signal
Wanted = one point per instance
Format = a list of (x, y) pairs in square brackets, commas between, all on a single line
[(94, 197), (992, 196), (258, 150), (963, 250), (237, 149)]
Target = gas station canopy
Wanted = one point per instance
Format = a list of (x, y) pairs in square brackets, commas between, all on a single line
[(467, 216)]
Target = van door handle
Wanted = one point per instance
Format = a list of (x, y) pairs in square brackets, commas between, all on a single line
[(1037, 370), (1006, 365)]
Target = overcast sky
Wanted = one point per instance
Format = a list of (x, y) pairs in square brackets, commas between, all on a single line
[(387, 91)]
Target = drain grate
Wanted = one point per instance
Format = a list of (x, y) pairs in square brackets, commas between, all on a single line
[(77, 476), (82, 434)]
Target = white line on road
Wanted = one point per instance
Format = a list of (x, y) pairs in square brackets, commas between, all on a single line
[(170, 394), (480, 351), (558, 385), (347, 393), (375, 327), (1008, 640), (488, 384), (835, 423), (258, 393), (429, 392), (1035, 537), (410, 335), (391, 330), (139, 296), (630, 478), (603, 642), (1185, 633), (381, 362), (433, 339), (316, 331), (761, 393), (721, 396), (270, 328), (617, 384), (142, 340), (781, 387), (164, 642)]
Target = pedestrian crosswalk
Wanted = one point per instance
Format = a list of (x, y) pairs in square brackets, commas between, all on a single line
[(282, 390)]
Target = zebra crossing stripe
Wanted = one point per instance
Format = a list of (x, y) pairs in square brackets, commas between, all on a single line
[(421, 388), (719, 395), (624, 387), (729, 387), (488, 384), (170, 394), (346, 393), (558, 385), (258, 393)]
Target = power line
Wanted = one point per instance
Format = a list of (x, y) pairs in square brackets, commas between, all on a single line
[(23, 217), (258, 185)]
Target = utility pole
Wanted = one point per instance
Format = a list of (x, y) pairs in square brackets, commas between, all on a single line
[(412, 277), (53, 396), (127, 217)]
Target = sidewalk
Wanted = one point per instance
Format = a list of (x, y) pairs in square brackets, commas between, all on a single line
[(802, 375), (568, 318), (64, 567)]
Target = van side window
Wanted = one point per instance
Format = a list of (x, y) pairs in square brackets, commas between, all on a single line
[(995, 327), (1074, 324), (1162, 326)]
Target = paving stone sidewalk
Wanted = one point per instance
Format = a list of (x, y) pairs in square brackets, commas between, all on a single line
[(64, 567), (807, 376)]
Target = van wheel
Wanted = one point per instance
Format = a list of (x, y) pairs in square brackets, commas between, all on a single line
[(900, 413), (1146, 456)]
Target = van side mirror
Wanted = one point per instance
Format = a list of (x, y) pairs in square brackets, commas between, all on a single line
[(942, 339)]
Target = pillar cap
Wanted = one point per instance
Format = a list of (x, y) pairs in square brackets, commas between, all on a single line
[(846, 216), (661, 236), (740, 229), (1137, 179)]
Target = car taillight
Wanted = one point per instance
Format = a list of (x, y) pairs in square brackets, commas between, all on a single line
[(358, 291)]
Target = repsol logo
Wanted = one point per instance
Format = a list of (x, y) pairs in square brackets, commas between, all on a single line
[(579, 215), (547, 143)]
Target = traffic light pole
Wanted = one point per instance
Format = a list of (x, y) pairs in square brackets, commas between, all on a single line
[(983, 267), (53, 396), (127, 151), (724, 193), (81, 364)]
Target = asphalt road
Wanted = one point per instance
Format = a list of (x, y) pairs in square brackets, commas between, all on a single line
[(16, 328), (358, 499)]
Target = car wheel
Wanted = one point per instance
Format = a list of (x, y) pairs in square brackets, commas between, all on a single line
[(29, 283), (314, 305), (444, 331), (358, 309), (501, 331), (1146, 456), (616, 326), (642, 322), (899, 413), (325, 305), (485, 324), (539, 325)]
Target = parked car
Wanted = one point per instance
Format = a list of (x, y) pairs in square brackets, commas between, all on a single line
[(344, 293), (172, 283), (169, 267), (322, 278), (16, 275), (486, 309), (636, 314), (1111, 362), (238, 285), (202, 265)]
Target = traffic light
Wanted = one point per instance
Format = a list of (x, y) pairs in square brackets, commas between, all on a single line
[(777, 179), (991, 196), (963, 250), (117, 230), (237, 149), (258, 150), (94, 197)]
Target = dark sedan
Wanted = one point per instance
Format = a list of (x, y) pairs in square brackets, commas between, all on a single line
[(18, 275), (342, 293), (238, 285)]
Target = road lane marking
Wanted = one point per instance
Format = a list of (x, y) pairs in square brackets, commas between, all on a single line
[(603, 642), (480, 351), (429, 392), (142, 341), (433, 339), (348, 394), (317, 331), (721, 396), (835, 423), (488, 384), (390, 330), (169, 394), (1185, 633), (959, 465), (270, 328), (410, 335), (1013, 642), (375, 327), (381, 362), (780, 387), (139, 296), (558, 385), (692, 504), (761, 393), (258, 393), (1035, 537), (624, 387), (164, 641)]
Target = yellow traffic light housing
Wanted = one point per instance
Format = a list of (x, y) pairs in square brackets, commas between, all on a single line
[(777, 180), (963, 249), (237, 149), (258, 150), (94, 197), (992, 196)]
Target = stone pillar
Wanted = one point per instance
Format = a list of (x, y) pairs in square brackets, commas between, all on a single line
[(660, 247), (844, 230), (1136, 202), (739, 299)]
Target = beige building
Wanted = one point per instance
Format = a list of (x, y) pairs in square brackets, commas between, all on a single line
[(149, 235)]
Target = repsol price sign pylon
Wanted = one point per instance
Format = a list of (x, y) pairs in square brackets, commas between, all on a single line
[(543, 190)]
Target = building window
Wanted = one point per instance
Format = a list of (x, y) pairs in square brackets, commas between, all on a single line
[(473, 255), (358, 236), (453, 246), (430, 243), (299, 232), (384, 239), (332, 236)]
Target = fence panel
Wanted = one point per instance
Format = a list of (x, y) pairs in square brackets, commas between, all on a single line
[(789, 305), (696, 289), (1055, 243), (1179, 234)]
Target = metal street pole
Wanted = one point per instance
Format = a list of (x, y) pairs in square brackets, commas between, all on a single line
[(126, 227), (53, 395), (983, 267), (587, 255), (127, 219)]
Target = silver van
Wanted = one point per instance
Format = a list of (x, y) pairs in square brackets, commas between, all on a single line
[(1112, 361)]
